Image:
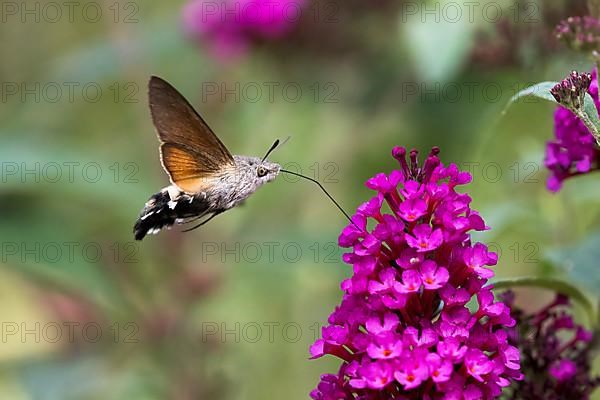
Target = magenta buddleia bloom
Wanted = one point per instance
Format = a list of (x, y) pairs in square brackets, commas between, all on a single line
[(574, 150), (229, 27), (556, 351), (403, 329)]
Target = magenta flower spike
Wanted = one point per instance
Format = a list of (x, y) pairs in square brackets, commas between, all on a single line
[(403, 329)]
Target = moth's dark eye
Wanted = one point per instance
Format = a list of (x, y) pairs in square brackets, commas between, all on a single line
[(261, 171)]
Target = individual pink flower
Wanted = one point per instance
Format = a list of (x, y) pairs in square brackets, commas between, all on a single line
[(373, 375), (451, 349), (425, 239), (385, 347), (478, 364), (412, 370), (440, 369), (411, 282), (376, 326), (412, 209), (433, 276), (384, 283), (477, 257)]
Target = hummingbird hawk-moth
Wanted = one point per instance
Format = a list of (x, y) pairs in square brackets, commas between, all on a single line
[(206, 179)]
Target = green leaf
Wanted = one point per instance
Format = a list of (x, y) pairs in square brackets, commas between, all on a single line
[(555, 285), (540, 90), (589, 107)]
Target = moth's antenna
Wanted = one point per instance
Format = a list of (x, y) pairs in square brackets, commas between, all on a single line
[(285, 141), (324, 191), (275, 145), (271, 150)]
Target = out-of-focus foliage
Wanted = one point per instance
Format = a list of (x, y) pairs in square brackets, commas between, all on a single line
[(228, 311)]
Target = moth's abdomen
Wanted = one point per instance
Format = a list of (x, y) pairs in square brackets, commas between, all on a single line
[(160, 212)]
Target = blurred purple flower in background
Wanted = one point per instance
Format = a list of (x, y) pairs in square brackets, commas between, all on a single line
[(556, 353), (579, 33), (403, 329), (574, 150), (230, 27)]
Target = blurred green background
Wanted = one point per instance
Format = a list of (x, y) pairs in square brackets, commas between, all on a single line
[(229, 311)]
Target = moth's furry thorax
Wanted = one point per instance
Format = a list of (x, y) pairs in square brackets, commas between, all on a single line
[(235, 185)]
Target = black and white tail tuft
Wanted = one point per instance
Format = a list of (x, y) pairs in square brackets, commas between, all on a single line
[(160, 211)]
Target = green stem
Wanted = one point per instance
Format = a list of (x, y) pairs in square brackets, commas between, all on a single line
[(555, 285)]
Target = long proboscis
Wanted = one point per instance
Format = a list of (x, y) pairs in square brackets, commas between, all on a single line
[(324, 191)]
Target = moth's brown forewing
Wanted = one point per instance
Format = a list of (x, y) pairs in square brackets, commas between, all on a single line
[(191, 154)]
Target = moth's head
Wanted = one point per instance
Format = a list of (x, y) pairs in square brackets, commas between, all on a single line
[(267, 171), (260, 171)]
